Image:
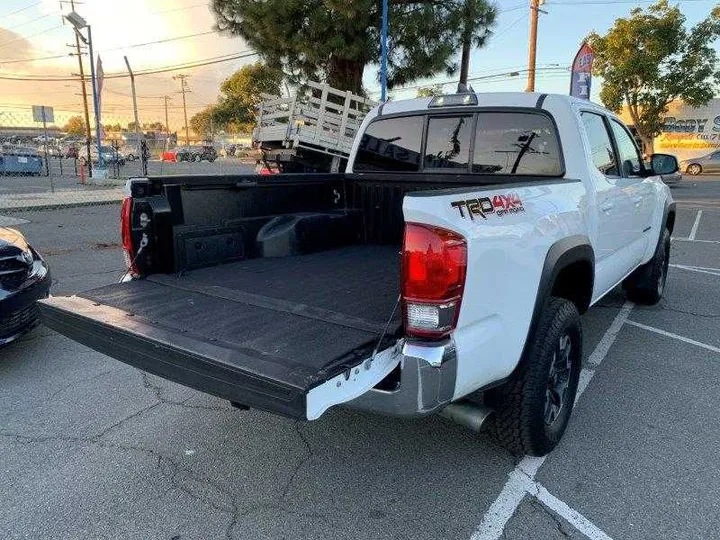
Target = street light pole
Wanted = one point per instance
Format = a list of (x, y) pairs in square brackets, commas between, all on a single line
[(95, 98), (88, 135), (384, 52)]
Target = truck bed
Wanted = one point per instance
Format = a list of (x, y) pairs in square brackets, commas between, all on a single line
[(283, 324)]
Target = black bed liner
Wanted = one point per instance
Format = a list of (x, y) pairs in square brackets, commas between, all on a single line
[(261, 332)]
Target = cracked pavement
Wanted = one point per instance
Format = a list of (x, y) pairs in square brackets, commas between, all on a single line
[(93, 448)]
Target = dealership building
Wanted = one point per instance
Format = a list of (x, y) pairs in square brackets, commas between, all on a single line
[(688, 131)]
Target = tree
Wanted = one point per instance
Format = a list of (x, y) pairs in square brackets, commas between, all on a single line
[(649, 60), (154, 126), (202, 122), (75, 126), (430, 91), (333, 40), (240, 94)]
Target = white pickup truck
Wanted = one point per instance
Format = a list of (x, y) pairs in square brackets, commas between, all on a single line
[(444, 271)]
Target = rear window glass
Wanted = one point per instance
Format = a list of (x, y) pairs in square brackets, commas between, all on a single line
[(516, 143), (448, 142), (392, 144)]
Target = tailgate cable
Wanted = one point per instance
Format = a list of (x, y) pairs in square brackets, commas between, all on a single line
[(369, 361), (143, 243)]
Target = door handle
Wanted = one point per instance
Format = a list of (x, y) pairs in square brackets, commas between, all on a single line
[(607, 206), (637, 201)]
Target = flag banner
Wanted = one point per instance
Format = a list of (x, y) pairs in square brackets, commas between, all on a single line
[(100, 81), (581, 77)]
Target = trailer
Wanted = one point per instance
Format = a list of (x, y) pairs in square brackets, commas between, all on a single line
[(312, 131)]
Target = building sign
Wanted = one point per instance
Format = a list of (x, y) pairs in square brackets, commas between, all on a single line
[(581, 77), (687, 132), (690, 132)]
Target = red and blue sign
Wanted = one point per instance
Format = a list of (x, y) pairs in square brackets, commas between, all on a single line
[(581, 80)]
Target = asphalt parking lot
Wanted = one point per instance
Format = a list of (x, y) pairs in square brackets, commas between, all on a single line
[(93, 448)]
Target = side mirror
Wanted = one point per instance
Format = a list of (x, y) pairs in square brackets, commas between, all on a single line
[(664, 164)]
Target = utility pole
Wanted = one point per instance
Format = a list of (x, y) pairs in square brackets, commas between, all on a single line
[(183, 89), (167, 124), (88, 135), (532, 53)]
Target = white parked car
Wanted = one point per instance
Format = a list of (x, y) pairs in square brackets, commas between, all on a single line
[(444, 271)]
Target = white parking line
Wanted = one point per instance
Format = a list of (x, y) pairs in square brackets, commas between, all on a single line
[(695, 226), (7, 221), (700, 269), (496, 517), (575, 518), (681, 239), (675, 336), (602, 348)]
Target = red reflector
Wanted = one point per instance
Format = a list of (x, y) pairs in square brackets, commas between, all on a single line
[(126, 234), (434, 262)]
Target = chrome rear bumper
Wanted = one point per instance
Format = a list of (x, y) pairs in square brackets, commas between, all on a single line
[(426, 383)]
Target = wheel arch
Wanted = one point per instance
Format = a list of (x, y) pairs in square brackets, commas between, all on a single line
[(571, 258)]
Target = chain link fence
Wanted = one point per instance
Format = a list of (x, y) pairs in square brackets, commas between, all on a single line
[(50, 168)]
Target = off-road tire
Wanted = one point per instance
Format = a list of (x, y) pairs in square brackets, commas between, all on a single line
[(520, 404), (646, 285)]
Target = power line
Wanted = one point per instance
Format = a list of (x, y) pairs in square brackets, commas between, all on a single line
[(489, 78), (30, 36), (176, 38), (511, 8), (178, 9), (22, 9), (12, 28), (504, 29), (166, 69), (129, 96), (3, 62)]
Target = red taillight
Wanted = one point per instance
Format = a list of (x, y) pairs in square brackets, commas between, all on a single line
[(434, 261), (126, 234)]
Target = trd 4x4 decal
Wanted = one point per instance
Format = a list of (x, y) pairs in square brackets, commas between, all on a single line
[(498, 205)]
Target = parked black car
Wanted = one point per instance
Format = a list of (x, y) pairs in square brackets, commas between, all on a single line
[(196, 153), (24, 279)]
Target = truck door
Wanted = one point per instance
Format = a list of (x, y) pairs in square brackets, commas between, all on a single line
[(613, 208), (638, 188)]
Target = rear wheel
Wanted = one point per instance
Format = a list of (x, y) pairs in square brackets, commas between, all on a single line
[(532, 410), (646, 285), (694, 169)]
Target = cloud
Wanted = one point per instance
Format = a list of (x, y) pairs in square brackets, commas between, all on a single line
[(114, 31)]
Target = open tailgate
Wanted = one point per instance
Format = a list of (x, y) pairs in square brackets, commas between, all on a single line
[(182, 358), (261, 349)]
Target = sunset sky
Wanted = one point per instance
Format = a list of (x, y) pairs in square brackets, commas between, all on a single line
[(37, 32)]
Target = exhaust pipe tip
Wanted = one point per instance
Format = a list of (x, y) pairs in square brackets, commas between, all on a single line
[(470, 415)]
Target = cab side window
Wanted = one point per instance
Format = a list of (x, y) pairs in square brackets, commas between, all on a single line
[(630, 160), (601, 147)]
